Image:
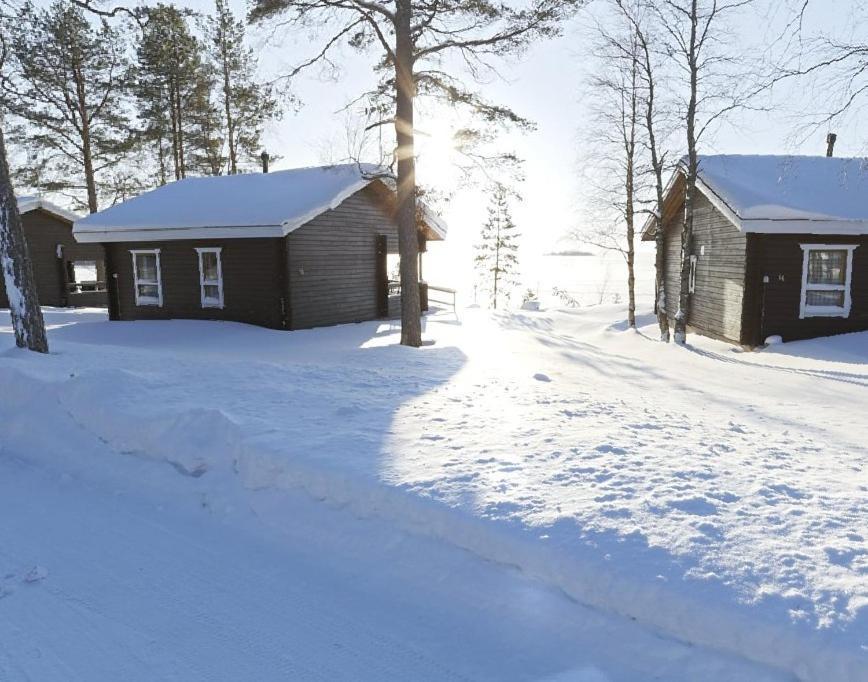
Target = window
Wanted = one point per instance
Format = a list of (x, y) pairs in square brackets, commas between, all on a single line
[(146, 276), (691, 285), (826, 273), (210, 278)]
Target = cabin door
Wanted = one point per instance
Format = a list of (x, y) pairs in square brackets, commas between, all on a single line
[(382, 276)]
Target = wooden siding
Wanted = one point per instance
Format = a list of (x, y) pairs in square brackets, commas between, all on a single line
[(332, 262), (43, 232), (717, 306), (780, 257), (253, 276)]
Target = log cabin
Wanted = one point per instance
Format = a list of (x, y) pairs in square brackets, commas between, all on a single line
[(290, 249), (66, 273), (779, 249)]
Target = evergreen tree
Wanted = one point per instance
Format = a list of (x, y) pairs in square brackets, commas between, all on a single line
[(245, 104), (68, 94), (497, 252), (174, 96), (205, 137)]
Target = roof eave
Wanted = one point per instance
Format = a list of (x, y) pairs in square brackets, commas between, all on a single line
[(115, 234), (38, 203), (806, 226)]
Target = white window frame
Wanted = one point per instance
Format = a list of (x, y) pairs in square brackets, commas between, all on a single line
[(691, 282), (206, 302), (147, 300), (806, 310)]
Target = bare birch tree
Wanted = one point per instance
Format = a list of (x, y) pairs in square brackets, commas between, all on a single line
[(616, 174), (652, 116), (829, 67), (27, 321), (696, 36), (415, 39)]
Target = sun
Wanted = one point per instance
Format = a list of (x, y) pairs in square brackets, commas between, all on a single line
[(436, 152)]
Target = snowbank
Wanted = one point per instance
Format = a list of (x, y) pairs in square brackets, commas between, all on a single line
[(402, 436)]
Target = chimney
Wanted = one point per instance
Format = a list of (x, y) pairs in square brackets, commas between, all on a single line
[(830, 144), (264, 157)]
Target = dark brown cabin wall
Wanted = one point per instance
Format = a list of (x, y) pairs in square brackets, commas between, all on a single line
[(780, 258), (253, 271), (332, 262), (43, 232), (716, 307)]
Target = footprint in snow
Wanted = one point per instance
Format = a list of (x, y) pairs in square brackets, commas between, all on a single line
[(36, 574), (542, 377), (605, 447)]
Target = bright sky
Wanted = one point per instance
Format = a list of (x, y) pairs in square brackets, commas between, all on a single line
[(545, 85)]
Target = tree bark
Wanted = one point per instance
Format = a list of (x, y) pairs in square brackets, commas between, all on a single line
[(408, 240), (86, 150), (631, 249), (630, 208), (496, 261), (15, 261), (683, 315), (659, 235), (227, 101)]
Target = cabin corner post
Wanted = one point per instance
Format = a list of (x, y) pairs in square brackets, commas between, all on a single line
[(751, 333), (285, 286), (111, 283)]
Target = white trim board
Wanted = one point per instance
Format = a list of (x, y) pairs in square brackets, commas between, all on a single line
[(147, 300), (806, 311), (205, 303)]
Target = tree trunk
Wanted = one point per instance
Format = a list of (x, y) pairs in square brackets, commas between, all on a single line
[(496, 262), (631, 214), (173, 118), (408, 240), (683, 315), (230, 123), (180, 118), (15, 261), (86, 150), (631, 272)]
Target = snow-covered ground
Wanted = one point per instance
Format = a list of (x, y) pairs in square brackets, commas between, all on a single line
[(533, 496)]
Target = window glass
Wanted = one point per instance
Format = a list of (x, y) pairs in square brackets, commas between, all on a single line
[(146, 275), (826, 277), (210, 271), (827, 267), (146, 267), (210, 278), (825, 298)]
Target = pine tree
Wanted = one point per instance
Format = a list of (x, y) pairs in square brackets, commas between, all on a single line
[(68, 93), (246, 105), (174, 95), (497, 252)]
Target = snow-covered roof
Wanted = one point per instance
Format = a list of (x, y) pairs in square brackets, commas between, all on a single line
[(34, 202), (786, 194), (231, 206)]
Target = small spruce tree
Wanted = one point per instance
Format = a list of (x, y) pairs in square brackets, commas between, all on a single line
[(497, 252)]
